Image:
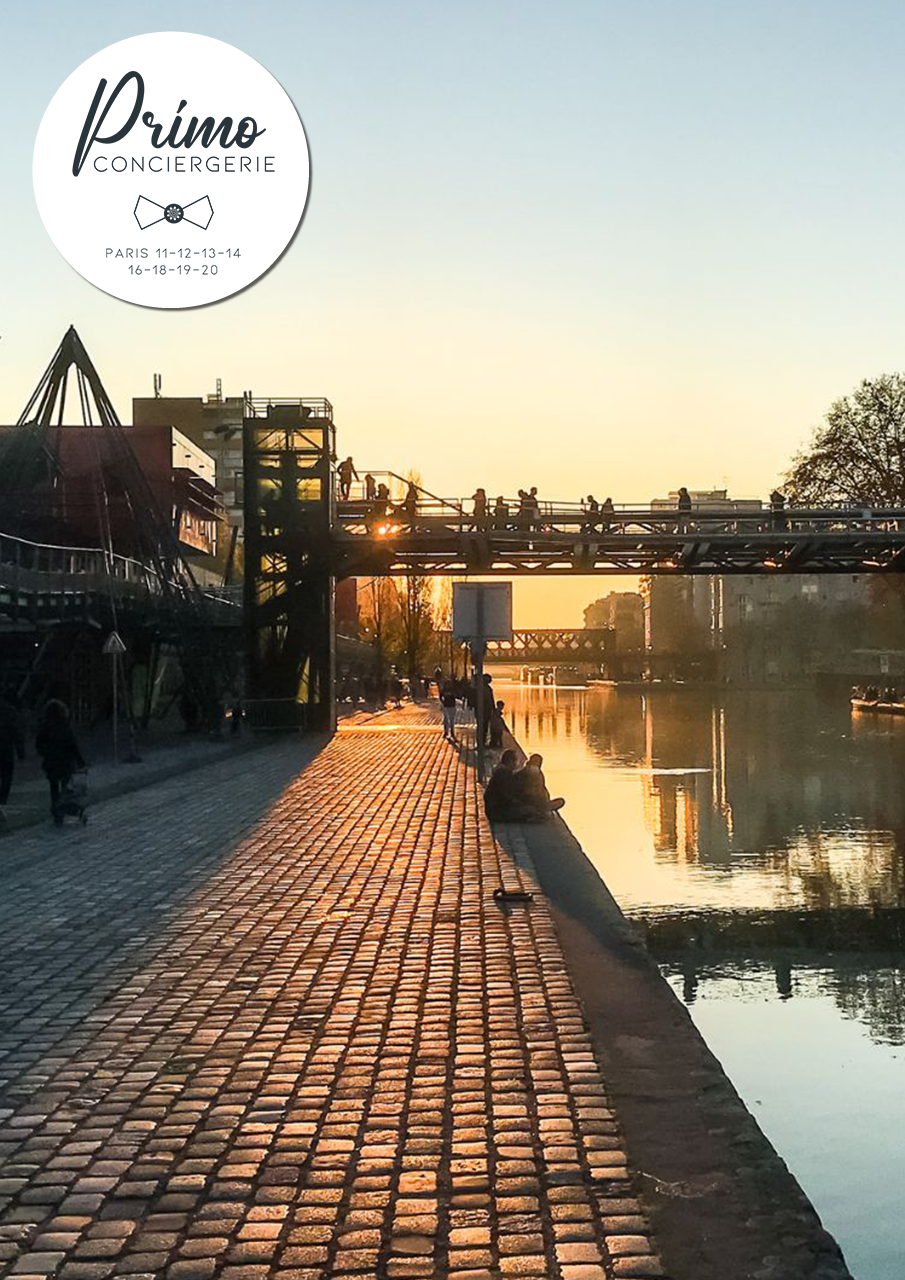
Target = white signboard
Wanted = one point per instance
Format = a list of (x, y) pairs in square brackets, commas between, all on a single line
[(482, 611)]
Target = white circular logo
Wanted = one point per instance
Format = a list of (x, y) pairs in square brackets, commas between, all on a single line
[(171, 170)]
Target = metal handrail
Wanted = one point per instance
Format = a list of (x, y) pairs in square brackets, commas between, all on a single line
[(554, 517)]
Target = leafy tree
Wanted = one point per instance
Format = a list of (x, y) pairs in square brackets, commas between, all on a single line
[(858, 457)]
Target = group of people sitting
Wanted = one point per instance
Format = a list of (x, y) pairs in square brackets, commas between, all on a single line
[(873, 693), (516, 794)]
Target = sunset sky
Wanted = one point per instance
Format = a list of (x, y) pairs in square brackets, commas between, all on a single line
[(589, 246)]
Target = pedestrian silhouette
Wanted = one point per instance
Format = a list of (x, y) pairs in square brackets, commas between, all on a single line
[(60, 756), (683, 504), (479, 510), (346, 471), (592, 508), (12, 743)]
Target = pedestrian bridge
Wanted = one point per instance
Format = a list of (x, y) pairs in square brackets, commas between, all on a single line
[(577, 647), (442, 537)]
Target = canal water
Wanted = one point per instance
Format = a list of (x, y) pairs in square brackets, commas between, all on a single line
[(757, 839)]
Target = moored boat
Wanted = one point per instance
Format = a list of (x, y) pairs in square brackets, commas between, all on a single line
[(886, 702)]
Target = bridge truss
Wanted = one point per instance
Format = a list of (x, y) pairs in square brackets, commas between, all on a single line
[(631, 541), (586, 646)]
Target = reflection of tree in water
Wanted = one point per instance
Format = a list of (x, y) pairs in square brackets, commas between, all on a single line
[(874, 997), (837, 870), (871, 996)]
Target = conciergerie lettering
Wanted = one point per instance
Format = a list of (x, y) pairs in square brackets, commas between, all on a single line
[(207, 132)]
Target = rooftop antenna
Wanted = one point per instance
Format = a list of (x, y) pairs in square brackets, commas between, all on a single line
[(219, 389), (158, 383)]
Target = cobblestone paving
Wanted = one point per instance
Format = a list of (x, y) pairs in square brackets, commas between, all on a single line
[(269, 1023)]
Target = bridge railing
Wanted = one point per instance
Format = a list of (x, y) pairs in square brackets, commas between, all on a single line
[(36, 564), (392, 518), (40, 568)]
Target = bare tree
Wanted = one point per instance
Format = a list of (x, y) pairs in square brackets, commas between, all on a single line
[(858, 456), (416, 608)]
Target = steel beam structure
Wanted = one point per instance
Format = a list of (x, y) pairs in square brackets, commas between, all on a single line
[(289, 455), (638, 542), (576, 646)]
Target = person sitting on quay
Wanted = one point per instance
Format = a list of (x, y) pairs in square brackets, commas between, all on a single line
[(532, 785), (519, 795), (503, 800)]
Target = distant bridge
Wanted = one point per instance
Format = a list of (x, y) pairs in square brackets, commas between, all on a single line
[(577, 647)]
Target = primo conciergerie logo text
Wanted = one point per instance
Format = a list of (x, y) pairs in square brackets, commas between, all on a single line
[(177, 228)]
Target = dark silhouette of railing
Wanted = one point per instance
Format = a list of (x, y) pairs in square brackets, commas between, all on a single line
[(42, 580)]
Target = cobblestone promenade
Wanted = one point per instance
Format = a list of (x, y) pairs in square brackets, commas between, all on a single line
[(262, 1022)]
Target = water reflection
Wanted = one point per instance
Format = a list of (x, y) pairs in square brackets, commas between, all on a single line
[(758, 840), (778, 792), (742, 828)]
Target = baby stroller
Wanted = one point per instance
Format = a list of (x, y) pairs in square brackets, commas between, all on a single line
[(73, 801)]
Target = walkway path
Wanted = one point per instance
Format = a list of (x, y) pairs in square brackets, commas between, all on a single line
[(267, 1023)]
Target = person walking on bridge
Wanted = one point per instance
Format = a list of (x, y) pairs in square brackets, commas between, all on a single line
[(683, 505), (408, 507), (777, 510), (345, 471), (592, 514), (534, 507), (378, 510), (479, 510)]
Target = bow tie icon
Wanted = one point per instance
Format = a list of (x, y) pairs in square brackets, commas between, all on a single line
[(147, 213)]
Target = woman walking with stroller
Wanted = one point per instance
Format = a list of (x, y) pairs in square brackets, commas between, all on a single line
[(60, 756)]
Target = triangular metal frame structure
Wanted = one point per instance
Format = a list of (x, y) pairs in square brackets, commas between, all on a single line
[(27, 458)]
